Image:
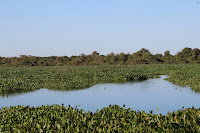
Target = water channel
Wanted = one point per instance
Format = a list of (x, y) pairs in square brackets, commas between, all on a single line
[(146, 95)]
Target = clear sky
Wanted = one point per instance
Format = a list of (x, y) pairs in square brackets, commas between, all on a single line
[(72, 27)]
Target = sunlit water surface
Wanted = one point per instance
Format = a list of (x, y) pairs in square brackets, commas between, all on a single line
[(146, 95)]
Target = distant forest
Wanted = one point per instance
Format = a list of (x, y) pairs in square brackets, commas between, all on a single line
[(144, 56)]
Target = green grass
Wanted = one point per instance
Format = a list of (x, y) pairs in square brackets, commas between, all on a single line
[(22, 79), (114, 118)]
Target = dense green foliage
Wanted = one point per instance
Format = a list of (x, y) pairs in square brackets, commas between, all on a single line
[(187, 55), (21, 79), (57, 118), (186, 75), (14, 79)]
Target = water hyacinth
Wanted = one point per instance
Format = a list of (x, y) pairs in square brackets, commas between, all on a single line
[(19, 79), (22, 79), (58, 118)]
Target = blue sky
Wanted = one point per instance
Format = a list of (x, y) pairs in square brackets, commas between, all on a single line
[(72, 27)]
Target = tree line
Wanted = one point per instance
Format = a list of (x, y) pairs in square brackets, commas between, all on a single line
[(143, 56)]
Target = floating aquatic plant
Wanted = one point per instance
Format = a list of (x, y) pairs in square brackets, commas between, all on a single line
[(58, 118)]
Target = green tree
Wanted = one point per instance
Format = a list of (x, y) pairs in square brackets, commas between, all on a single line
[(194, 55), (96, 58), (183, 56), (168, 58)]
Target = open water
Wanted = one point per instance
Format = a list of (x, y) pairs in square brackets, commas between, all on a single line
[(151, 94)]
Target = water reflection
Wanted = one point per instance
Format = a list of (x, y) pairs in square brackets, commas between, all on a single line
[(147, 95)]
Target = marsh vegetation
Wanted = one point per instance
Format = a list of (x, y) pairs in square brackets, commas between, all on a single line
[(114, 118), (23, 79)]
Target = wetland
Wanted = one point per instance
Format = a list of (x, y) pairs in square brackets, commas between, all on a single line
[(97, 95), (147, 95)]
